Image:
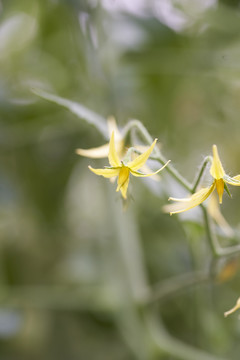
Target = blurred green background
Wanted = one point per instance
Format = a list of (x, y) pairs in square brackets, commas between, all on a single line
[(71, 261)]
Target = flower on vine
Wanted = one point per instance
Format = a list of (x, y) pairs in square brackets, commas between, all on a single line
[(103, 150), (236, 307), (123, 169), (220, 181)]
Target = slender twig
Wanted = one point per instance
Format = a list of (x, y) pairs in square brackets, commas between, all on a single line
[(176, 284), (171, 346), (212, 240), (217, 250), (200, 173), (156, 154), (140, 127)]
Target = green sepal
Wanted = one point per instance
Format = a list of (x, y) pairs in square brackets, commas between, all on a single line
[(227, 190)]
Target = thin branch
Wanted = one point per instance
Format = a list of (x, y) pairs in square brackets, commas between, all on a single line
[(217, 250), (176, 284), (201, 172), (170, 346), (156, 154)]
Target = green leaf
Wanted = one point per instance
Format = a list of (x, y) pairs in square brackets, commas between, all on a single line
[(81, 111)]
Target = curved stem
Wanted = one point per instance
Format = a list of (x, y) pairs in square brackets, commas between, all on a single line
[(156, 155), (170, 346), (140, 127), (169, 287), (217, 250), (212, 240)]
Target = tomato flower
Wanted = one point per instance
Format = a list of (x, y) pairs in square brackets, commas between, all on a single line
[(123, 169), (220, 181)]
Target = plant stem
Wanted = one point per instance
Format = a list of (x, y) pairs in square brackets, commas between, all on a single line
[(156, 153), (217, 250), (212, 240), (137, 322), (171, 346), (140, 127), (201, 172), (169, 287)]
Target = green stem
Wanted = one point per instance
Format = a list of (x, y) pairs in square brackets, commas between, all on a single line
[(173, 172), (201, 172), (217, 250), (127, 157), (231, 250), (140, 127), (212, 240), (78, 109), (156, 155), (169, 287), (171, 346)]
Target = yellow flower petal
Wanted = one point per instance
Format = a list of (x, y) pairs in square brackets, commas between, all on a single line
[(146, 170), (236, 307), (124, 188), (103, 151), (113, 156), (220, 189), (123, 176), (141, 159), (235, 180), (94, 153), (216, 169), (138, 174), (112, 127), (189, 203), (107, 173)]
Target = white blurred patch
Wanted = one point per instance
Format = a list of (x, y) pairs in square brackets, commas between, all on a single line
[(174, 18), (10, 323), (136, 7), (15, 33), (176, 14), (179, 14)]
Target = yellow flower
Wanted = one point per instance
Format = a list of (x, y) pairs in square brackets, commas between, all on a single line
[(123, 169), (236, 307), (103, 150), (220, 181)]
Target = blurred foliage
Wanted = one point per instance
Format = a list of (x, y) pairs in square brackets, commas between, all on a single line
[(65, 290)]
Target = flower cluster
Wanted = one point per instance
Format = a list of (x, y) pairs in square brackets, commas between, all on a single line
[(124, 162), (122, 169)]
